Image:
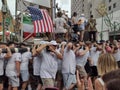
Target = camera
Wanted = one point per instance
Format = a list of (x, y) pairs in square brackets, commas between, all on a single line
[(48, 49)]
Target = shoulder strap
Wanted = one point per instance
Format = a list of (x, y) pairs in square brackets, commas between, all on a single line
[(101, 81)]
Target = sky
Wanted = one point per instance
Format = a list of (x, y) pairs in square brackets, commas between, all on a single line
[(65, 5), (11, 6)]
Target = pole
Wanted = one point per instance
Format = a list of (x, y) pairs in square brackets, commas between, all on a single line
[(3, 36), (54, 12), (54, 8), (114, 31), (101, 34), (15, 16), (21, 39), (4, 11)]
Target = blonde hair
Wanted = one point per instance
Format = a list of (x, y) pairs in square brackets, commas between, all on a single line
[(106, 63)]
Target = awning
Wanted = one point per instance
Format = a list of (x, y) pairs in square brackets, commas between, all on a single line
[(23, 4)]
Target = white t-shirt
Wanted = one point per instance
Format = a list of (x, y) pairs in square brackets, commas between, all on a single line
[(49, 65), (69, 62), (11, 65), (117, 55), (36, 65), (2, 63), (59, 61), (59, 23), (94, 55), (26, 56), (82, 60)]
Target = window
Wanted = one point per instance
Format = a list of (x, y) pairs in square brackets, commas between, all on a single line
[(90, 12), (83, 5), (114, 5), (109, 8), (82, 10), (110, 0), (90, 5)]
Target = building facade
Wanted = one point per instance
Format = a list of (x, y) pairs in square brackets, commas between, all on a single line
[(112, 5), (81, 7), (99, 8), (87, 7)]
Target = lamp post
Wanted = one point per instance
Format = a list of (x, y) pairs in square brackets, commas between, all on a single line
[(115, 27), (101, 33), (102, 10), (114, 31)]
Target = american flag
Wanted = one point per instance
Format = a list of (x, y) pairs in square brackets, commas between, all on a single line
[(41, 20)]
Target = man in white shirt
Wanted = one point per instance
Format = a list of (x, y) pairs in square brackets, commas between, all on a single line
[(81, 58), (13, 69), (37, 59), (49, 64), (95, 52), (3, 56), (59, 78), (26, 57), (59, 24), (69, 67)]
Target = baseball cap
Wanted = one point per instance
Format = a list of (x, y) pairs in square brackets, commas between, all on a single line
[(53, 42), (44, 42)]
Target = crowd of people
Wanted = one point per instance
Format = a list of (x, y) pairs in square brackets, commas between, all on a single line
[(75, 27), (63, 65)]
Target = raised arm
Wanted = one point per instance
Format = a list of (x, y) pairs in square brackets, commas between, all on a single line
[(8, 54), (58, 54), (34, 53), (38, 50), (81, 53)]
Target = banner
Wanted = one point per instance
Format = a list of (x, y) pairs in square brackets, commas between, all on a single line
[(27, 26)]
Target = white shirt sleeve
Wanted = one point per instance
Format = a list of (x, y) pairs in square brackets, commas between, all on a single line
[(2, 56), (29, 55), (64, 20), (18, 57)]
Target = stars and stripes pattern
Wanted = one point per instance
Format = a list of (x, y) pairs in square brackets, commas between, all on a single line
[(41, 20)]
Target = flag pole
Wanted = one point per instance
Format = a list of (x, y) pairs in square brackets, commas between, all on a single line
[(21, 27), (28, 37), (54, 11)]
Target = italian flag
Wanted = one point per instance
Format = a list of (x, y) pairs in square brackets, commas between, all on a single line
[(28, 28)]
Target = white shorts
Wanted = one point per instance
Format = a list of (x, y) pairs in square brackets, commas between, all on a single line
[(24, 75), (14, 81), (69, 79)]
